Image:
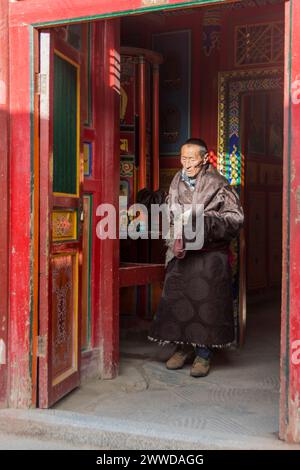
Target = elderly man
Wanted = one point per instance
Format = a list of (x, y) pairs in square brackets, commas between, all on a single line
[(196, 307)]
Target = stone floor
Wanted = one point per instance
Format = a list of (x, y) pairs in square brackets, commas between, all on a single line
[(10, 442), (238, 400)]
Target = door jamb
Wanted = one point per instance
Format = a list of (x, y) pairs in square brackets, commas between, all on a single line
[(34, 29)]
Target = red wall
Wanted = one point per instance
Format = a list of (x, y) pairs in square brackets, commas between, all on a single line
[(290, 318), (4, 123)]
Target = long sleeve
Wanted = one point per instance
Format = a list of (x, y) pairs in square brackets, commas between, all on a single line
[(224, 223)]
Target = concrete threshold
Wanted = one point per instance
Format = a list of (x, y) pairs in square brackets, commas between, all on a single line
[(89, 432)]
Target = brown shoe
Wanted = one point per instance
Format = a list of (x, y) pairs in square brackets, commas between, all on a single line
[(179, 358), (200, 367)]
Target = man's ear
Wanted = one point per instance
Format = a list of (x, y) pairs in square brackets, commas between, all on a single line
[(205, 158)]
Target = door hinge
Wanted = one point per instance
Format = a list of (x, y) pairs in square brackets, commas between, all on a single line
[(41, 346), (40, 83)]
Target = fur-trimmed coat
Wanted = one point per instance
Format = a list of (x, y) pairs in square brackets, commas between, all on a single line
[(196, 306)]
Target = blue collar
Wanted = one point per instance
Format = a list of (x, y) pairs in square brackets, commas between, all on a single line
[(191, 182)]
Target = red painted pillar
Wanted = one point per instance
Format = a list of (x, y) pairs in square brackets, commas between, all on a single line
[(155, 127), (107, 122), (21, 221), (142, 124), (290, 332), (4, 124)]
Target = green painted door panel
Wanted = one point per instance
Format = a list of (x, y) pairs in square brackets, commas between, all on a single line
[(65, 129)]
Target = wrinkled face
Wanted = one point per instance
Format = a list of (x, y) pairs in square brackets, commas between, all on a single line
[(190, 159)]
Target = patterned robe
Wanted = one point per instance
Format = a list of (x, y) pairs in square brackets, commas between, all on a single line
[(196, 306)]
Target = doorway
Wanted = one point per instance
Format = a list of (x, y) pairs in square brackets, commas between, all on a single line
[(250, 150), (169, 164), (226, 107)]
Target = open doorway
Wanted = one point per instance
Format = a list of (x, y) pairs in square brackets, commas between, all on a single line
[(223, 68), (220, 67), (230, 93), (263, 150)]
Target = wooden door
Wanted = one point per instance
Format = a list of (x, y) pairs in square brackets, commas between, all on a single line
[(61, 214), (263, 149)]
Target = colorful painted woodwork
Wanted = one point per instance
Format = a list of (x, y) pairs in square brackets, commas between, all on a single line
[(64, 316), (231, 87), (61, 216), (64, 225)]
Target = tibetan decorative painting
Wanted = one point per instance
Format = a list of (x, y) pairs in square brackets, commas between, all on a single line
[(64, 316), (127, 178)]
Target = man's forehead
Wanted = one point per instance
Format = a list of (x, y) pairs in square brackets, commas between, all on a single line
[(190, 149)]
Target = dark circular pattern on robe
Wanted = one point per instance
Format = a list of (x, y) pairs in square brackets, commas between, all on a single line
[(197, 288), (215, 265), (173, 286), (205, 314), (183, 310), (197, 304)]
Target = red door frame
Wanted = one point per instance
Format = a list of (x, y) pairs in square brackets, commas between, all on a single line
[(4, 126), (290, 316), (38, 14)]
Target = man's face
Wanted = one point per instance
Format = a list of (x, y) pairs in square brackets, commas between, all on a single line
[(190, 159)]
